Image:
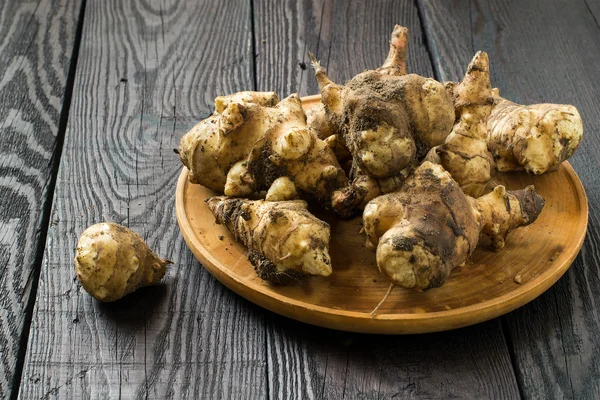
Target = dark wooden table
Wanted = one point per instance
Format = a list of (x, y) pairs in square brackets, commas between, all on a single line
[(94, 96)]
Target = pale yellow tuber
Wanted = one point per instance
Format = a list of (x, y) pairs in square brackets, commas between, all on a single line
[(465, 153), (248, 144), (429, 226), (112, 261), (284, 240), (536, 138)]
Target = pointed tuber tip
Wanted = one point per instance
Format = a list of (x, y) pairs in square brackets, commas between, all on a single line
[(315, 63), (399, 30), (213, 202), (480, 62), (531, 203)]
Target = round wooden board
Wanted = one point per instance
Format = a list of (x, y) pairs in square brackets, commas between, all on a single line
[(483, 289)]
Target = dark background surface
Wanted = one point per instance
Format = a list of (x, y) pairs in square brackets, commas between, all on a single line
[(95, 94)]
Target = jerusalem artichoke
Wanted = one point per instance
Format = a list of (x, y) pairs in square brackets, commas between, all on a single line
[(388, 118), (112, 261), (316, 119), (537, 138), (464, 153), (284, 240), (252, 140), (429, 226)]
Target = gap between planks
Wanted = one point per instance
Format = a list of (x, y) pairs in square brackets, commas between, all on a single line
[(47, 204)]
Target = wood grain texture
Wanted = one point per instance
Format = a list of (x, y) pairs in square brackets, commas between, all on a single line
[(348, 37), (36, 44), (542, 53), (147, 71), (309, 362)]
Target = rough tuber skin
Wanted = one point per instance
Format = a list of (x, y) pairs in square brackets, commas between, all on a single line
[(388, 119), (536, 138), (212, 147), (316, 118), (285, 241), (429, 226), (465, 154), (501, 211), (112, 261), (247, 144)]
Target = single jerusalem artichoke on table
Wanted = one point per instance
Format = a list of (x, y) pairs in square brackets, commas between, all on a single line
[(284, 240), (112, 261), (429, 226)]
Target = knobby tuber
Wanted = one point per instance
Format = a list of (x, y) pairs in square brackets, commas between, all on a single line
[(388, 119), (465, 154), (252, 140), (422, 218), (316, 118), (284, 240), (429, 226), (536, 138), (112, 261)]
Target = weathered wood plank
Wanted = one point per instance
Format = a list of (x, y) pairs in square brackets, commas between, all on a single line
[(542, 53), (147, 71), (36, 43), (335, 33), (310, 362)]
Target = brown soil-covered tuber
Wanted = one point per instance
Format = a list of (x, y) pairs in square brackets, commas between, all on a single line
[(388, 119), (429, 226), (284, 240)]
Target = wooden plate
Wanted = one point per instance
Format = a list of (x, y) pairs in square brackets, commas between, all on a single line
[(486, 287)]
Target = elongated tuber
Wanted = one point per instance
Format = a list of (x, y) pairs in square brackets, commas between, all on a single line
[(429, 226), (112, 261), (536, 138), (284, 240), (247, 144), (465, 154)]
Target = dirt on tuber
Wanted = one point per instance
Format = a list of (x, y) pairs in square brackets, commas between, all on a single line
[(429, 226), (285, 241), (388, 120), (252, 140)]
